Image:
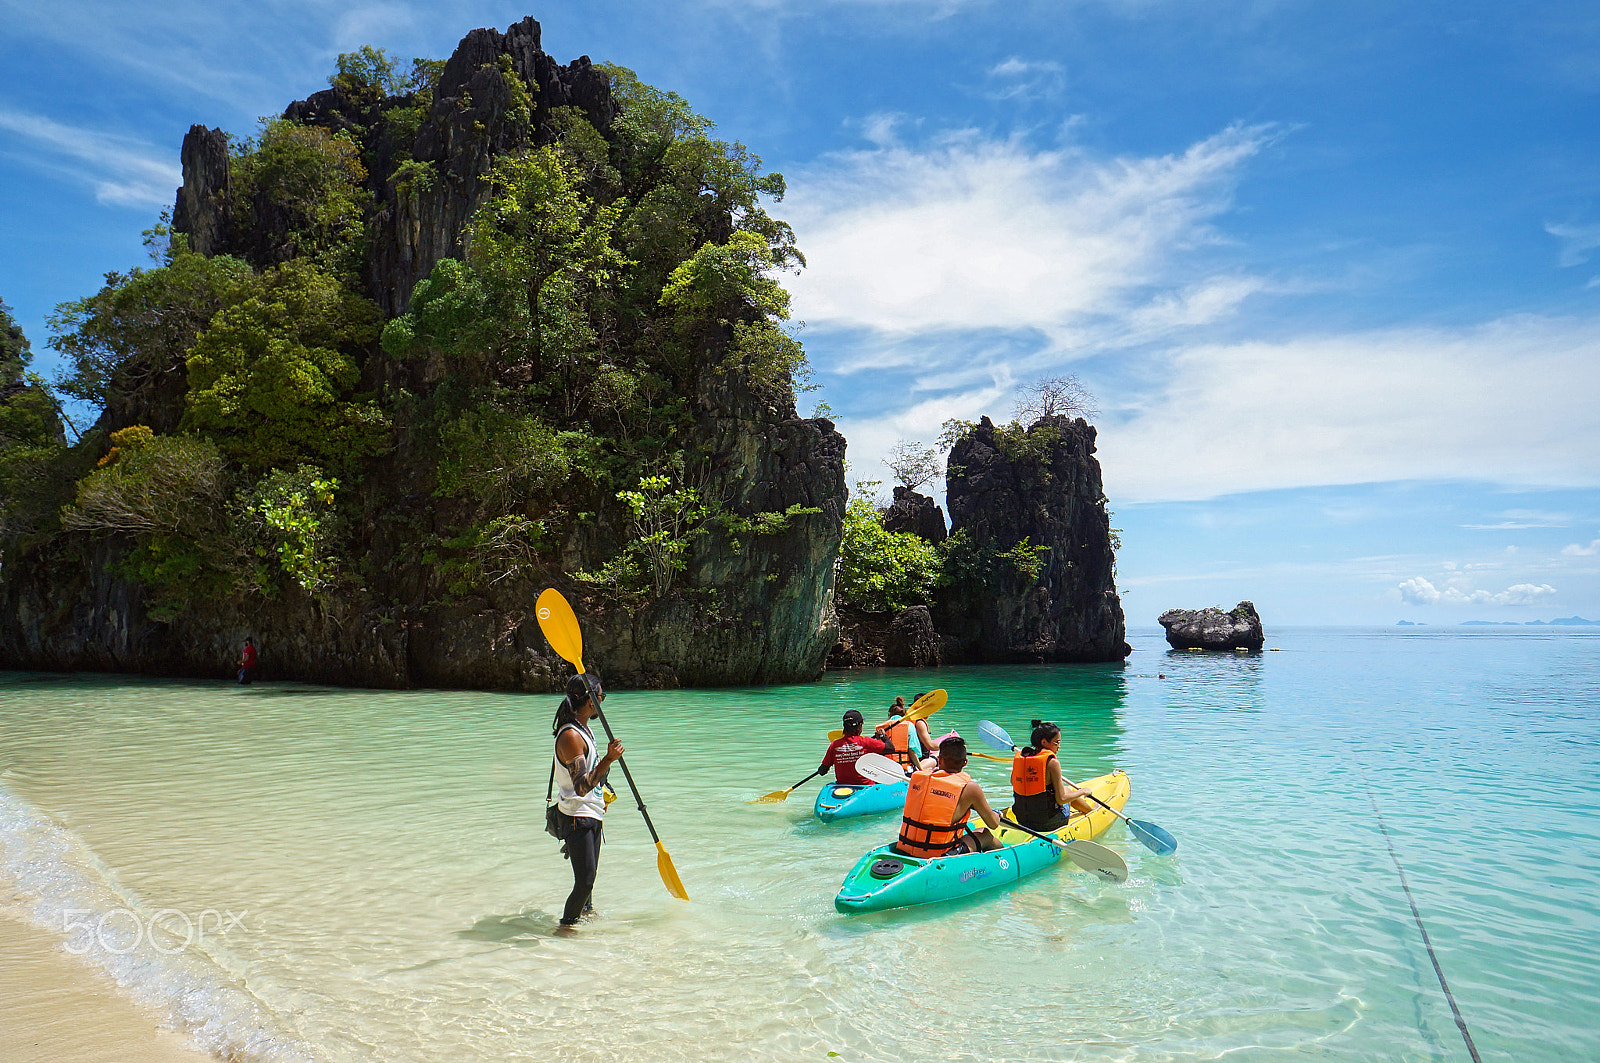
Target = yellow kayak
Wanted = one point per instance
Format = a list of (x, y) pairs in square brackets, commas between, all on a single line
[(1113, 789)]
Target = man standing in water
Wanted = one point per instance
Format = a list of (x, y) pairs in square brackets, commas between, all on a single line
[(580, 774), (247, 661)]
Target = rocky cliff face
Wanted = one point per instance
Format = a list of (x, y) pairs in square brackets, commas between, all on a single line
[(1042, 485), (474, 120), (916, 514), (750, 608)]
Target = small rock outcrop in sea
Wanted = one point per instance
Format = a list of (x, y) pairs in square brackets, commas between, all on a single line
[(917, 514), (1213, 629), (1012, 491)]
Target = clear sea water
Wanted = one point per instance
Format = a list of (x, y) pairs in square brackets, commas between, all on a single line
[(351, 875)]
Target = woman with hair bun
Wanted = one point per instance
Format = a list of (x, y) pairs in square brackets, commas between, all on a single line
[(1040, 796)]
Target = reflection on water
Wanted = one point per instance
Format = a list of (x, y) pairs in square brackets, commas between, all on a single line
[(1225, 681), (400, 893)]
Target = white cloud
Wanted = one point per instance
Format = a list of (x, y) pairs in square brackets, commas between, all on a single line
[(121, 171), (871, 438), (1507, 402), (1420, 591), (1576, 550), (364, 23), (1023, 79), (973, 233), (1576, 242), (1519, 519)]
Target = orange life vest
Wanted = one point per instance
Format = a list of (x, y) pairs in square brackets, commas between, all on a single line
[(928, 827), (1030, 775), (898, 738), (1033, 800)]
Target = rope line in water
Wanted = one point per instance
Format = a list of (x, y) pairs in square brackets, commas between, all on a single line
[(1461, 1023)]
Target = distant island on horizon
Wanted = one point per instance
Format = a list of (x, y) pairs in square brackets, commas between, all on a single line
[(1565, 621)]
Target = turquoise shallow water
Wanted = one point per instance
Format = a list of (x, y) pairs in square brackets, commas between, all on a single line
[(372, 880)]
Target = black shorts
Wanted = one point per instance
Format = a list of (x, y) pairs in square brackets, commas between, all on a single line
[(966, 842)]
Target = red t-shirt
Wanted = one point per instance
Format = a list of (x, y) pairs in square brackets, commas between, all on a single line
[(843, 754), (247, 657)]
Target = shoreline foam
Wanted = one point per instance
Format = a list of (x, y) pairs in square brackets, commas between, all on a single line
[(51, 878), (54, 1008)]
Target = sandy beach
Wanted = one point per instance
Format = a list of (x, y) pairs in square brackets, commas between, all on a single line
[(56, 1009)]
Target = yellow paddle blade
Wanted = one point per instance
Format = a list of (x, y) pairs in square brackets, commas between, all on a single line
[(669, 874), (927, 705), (771, 799), (560, 626), (834, 736)]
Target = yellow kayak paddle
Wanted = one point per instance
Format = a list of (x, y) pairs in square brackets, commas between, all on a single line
[(560, 626), (783, 795), (921, 709)]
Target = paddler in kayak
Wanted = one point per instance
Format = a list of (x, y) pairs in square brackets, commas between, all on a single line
[(938, 802), (910, 753), (843, 752), (1039, 793)]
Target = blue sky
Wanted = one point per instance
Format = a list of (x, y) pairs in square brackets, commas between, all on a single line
[(1331, 270)]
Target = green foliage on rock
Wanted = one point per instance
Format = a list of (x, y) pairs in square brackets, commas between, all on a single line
[(502, 460), (369, 73), (541, 247), (1029, 447), (299, 190), (770, 354), (153, 486), (141, 325), (272, 378), (294, 523), (666, 517), (15, 351), (884, 570), (968, 560), (32, 442), (719, 279), (167, 496), (542, 394)]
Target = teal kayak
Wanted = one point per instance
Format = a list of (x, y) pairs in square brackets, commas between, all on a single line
[(884, 878), (842, 800)]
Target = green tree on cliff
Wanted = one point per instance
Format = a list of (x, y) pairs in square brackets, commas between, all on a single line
[(542, 247), (135, 333), (31, 439), (880, 569), (300, 192), (272, 378)]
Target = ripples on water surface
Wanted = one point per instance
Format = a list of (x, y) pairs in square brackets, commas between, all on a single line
[(394, 893)]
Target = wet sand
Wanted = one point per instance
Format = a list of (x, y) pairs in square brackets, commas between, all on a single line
[(54, 1008)]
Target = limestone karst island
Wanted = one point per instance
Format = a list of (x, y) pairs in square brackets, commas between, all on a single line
[(438, 337)]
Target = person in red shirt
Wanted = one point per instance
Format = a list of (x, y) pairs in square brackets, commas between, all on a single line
[(844, 752), (247, 661)]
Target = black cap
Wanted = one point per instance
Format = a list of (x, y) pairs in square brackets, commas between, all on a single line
[(855, 715)]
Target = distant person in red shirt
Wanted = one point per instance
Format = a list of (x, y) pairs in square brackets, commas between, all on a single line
[(844, 752), (247, 661)]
